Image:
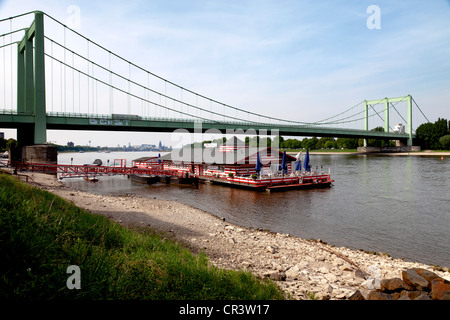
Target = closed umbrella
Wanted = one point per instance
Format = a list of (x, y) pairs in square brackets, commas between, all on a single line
[(283, 166), (298, 163), (258, 164), (307, 165)]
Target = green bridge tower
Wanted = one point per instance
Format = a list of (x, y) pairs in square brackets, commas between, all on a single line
[(386, 102), (31, 83)]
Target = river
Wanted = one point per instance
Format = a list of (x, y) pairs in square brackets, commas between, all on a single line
[(394, 204)]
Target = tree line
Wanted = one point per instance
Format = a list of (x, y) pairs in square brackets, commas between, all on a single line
[(316, 143), (435, 136)]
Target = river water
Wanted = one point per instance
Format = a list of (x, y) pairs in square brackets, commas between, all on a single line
[(394, 204)]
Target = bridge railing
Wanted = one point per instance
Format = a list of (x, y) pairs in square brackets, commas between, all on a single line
[(233, 123), (236, 124)]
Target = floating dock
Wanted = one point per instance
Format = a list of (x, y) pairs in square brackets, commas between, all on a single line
[(273, 184)]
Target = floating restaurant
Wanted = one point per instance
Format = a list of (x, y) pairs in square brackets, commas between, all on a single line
[(236, 164)]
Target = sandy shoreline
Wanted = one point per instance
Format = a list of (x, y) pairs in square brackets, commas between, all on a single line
[(300, 267)]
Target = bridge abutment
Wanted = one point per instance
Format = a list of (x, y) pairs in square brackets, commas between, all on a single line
[(40, 153), (388, 149)]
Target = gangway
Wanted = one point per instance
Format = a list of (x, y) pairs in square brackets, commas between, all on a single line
[(86, 171)]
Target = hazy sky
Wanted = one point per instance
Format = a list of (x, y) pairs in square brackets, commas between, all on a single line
[(302, 60)]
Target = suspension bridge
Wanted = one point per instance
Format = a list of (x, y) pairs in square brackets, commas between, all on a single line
[(54, 78)]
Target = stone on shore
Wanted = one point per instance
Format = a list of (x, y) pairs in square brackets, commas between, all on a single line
[(417, 284), (412, 278)]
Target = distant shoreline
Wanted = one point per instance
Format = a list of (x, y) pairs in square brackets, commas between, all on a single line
[(421, 153)]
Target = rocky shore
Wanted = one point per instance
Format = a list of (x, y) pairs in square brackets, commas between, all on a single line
[(306, 269)]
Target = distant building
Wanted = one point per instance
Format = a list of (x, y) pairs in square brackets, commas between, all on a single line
[(233, 144), (70, 144), (399, 128)]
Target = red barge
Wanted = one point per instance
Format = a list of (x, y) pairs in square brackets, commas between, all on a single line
[(235, 165)]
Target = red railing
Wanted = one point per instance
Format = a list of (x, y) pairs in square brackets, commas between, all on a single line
[(72, 171)]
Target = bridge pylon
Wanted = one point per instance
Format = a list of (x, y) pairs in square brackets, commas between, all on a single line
[(31, 83), (386, 102)]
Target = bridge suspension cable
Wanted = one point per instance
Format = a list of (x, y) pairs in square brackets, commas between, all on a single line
[(97, 75), (420, 109), (175, 100)]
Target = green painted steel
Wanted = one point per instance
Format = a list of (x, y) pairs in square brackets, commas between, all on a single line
[(387, 101), (386, 115), (106, 123), (410, 129), (40, 128), (366, 119), (31, 81)]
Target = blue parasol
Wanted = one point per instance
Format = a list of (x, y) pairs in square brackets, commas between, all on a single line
[(298, 165), (307, 165), (159, 156), (283, 166), (258, 164)]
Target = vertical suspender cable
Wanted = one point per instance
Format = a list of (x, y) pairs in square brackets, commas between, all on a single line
[(181, 99), (73, 82), (64, 90), (148, 94), (79, 92), (51, 78), (4, 73), (129, 88), (12, 63), (88, 98), (111, 93)]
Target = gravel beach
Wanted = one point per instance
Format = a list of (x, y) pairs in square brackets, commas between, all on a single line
[(303, 268)]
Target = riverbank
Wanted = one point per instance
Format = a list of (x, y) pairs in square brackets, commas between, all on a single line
[(418, 153), (304, 268)]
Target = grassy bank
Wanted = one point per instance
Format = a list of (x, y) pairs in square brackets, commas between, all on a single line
[(41, 235)]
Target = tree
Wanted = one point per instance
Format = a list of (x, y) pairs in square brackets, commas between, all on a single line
[(11, 144), (2, 144), (330, 144), (310, 143), (429, 134), (445, 142), (377, 142), (291, 144), (347, 143), (322, 141)]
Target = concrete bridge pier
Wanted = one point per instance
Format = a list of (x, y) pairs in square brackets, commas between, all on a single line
[(41, 153)]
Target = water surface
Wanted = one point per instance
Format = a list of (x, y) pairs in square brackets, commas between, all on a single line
[(394, 204)]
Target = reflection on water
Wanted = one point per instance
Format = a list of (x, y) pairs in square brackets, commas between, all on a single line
[(398, 205)]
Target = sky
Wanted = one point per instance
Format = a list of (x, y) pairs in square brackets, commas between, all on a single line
[(300, 60)]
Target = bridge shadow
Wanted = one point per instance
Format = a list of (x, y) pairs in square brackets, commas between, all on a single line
[(143, 222)]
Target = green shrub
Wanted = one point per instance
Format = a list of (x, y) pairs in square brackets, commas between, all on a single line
[(445, 142)]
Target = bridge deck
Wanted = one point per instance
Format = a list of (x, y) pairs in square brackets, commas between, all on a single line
[(65, 121)]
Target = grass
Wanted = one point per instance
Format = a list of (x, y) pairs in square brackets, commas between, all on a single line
[(41, 235)]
